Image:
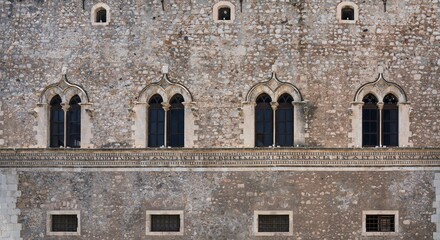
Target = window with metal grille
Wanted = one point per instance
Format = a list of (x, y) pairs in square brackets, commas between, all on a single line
[(74, 123), (284, 121), (156, 122), (224, 13), (390, 121), (273, 223), (64, 223), (380, 223), (56, 122), (263, 121), (165, 223), (101, 15), (347, 13), (176, 122), (370, 121)]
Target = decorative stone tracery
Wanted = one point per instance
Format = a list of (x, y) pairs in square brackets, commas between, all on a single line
[(274, 88), (66, 91), (166, 89)]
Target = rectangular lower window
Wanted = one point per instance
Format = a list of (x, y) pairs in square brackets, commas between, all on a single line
[(380, 222), (164, 222), (63, 223), (273, 223)]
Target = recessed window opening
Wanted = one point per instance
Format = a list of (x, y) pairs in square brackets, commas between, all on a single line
[(380, 223), (64, 223), (347, 13), (224, 13), (390, 121), (101, 15), (56, 122), (284, 121), (370, 121), (273, 223), (156, 123), (176, 122), (74, 123), (263, 121), (165, 223)]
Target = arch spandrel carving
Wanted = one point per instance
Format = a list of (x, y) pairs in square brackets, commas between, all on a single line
[(380, 88), (65, 90), (274, 88), (166, 88)]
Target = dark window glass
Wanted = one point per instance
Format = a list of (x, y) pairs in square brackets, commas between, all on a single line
[(390, 121), (165, 223), (224, 13), (56, 123), (101, 15), (263, 121), (273, 223), (347, 13), (370, 121), (156, 122), (380, 223), (64, 223), (176, 122), (284, 121), (74, 123)]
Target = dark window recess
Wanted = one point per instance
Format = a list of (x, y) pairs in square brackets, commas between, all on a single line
[(380, 223), (263, 121), (176, 122), (165, 223), (390, 121), (370, 121), (101, 15), (156, 122), (273, 223), (284, 121), (74, 123), (64, 223), (56, 123), (347, 13), (224, 13)]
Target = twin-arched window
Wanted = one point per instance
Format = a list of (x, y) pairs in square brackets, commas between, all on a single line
[(65, 123), (166, 129), (268, 129), (380, 121)]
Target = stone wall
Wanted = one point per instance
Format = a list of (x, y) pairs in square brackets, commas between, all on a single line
[(218, 62), (221, 204)]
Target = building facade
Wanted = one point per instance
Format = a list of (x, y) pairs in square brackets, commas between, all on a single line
[(241, 119)]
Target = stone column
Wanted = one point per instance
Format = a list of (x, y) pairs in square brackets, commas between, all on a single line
[(42, 128), (380, 106), (274, 106), (86, 125), (166, 107), (404, 124), (299, 123), (140, 124), (356, 124), (65, 108), (248, 125)]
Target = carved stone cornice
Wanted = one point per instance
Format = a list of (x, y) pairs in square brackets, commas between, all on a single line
[(194, 158)]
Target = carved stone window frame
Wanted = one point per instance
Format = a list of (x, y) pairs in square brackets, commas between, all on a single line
[(219, 5), (274, 88), (95, 10), (341, 6), (380, 212), (66, 91), (166, 89), (49, 231), (148, 231), (272, 212), (380, 88)]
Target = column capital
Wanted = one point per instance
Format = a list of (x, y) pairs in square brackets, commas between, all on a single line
[(166, 106), (274, 105)]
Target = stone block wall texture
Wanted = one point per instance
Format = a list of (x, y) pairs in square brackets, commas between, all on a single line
[(220, 205), (9, 193), (218, 62)]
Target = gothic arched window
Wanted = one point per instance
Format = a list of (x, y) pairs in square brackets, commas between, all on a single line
[(56, 122), (156, 122), (74, 123), (284, 121), (390, 121), (370, 121), (263, 121), (176, 122)]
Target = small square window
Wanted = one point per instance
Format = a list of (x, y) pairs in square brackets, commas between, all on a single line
[(273, 223), (164, 222), (63, 223), (380, 222)]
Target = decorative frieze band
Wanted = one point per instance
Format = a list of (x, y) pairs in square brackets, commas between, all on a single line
[(220, 158)]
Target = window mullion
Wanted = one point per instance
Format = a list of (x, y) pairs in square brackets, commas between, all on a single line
[(166, 107), (380, 106), (65, 108), (274, 106)]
